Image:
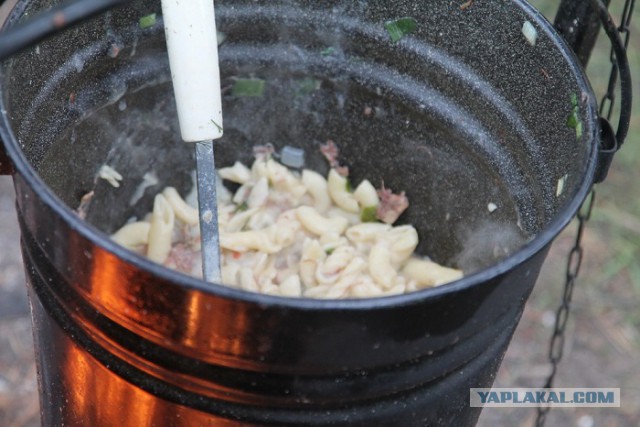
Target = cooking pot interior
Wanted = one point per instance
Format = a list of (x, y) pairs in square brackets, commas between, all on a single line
[(464, 114)]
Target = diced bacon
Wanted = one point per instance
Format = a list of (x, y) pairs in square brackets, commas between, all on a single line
[(331, 152), (391, 205), (263, 151), (180, 258)]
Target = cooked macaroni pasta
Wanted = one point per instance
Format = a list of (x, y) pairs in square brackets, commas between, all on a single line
[(290, 234)]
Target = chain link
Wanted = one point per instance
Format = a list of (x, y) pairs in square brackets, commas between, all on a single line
[(574, 260)]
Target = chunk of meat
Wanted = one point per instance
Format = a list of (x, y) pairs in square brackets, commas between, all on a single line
[(181, 258), (331, 152), (391, 205), (84, 204), (263, 151)]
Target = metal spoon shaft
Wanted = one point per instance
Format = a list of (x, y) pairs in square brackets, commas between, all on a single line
[(208, 210)]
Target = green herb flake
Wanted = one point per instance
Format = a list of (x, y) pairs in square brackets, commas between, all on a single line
[(248, 88), (579, 130), (147, 21), (329, 251), (328, 51), (400, 27), (573, 121), (348, 185), (369, 214), (242, 207), (307, 85)]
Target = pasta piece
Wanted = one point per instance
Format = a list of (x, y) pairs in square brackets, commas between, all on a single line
[(312, 256), (259, 193), (356, 266), (264, 270), (380, 268), (132, 235), (262, 218), (277, 173), (287, 227), (403, 242), (352, 218), (317, 224), (366, 194), (367, 232), (427, 273), (224, 195), (161, 229), (110, 175), (238, 221), (317, 187), (238, 173), (257, 240), (247, 280), (337, 186), (340, 288), (183, 211), (395, 290), (291, 287), (284, 180), (271, 289), (332, 240), (317, 291), (365, 288), (230, 272), (225, 212), (242, 193), (335, 263), (259, 169)]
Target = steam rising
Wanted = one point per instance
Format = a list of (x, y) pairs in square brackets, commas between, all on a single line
[(485, 245)]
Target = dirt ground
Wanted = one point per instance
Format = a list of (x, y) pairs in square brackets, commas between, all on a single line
[(603, 337)]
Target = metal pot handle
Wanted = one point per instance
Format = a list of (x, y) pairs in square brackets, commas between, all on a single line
[(610, 142), (579, 22), (620, 51)]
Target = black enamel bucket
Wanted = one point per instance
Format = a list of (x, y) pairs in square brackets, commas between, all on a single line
[(465, 114)]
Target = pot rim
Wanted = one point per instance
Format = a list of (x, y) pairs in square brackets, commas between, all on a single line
[(541, 240)]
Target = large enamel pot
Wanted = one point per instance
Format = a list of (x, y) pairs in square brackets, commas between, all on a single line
[(463, 113)]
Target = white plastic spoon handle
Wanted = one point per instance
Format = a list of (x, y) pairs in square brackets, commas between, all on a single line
[(190, 29)]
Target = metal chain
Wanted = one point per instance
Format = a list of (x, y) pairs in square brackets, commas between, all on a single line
[(574, 260), (608, 100)]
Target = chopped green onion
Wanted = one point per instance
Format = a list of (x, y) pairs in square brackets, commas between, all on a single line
[(329, 251), (578, 129), (574, 100), (400, 27), (369, 214), (328, 51), (242, 207), (307, 85), (573, 121), (348, 186), (147, 21), (248, 87)]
